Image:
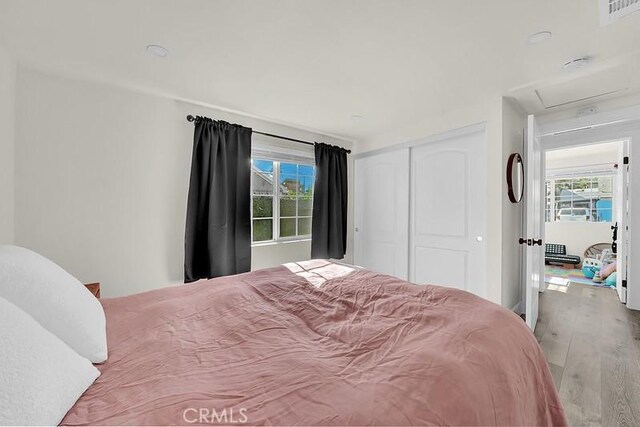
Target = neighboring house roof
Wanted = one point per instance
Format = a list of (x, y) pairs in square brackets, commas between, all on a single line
[(267, 178)]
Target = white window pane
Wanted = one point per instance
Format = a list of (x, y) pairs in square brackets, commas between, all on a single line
[(305, 206), (262, 206), (304, 226), (262, 230), (287, 206), (287, 227)]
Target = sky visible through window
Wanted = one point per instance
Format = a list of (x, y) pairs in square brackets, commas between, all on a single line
[(264, 165), (303, 174)]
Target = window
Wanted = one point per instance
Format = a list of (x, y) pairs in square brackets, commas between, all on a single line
[(584, 198), (282, 198)]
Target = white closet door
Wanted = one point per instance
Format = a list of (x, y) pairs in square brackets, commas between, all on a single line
[(382, 212), (448, 213)]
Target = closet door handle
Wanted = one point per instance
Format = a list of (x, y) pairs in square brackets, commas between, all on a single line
[(537, 242)]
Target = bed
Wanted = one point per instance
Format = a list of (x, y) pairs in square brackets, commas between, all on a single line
[(317, 343)]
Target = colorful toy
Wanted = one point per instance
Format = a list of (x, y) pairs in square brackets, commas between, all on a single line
[(589, 271), (591, 262), (607, 270)]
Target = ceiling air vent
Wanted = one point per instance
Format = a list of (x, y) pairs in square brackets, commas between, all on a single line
[(612, 10)]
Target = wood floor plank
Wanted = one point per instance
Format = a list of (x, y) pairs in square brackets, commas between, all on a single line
[(620, 390), (556, 373), (557, 336), (581, 389), (621, 366), (548, 307)]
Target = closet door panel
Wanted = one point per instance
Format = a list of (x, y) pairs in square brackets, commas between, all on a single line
[(443, 266), (382, 212), (448, 213), (444, 200)]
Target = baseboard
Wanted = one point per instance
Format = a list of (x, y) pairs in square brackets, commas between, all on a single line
[(517, 308)]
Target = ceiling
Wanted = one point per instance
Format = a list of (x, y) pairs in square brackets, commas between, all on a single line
[(316, 63)]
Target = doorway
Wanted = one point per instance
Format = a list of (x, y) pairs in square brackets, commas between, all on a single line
[(587, 332), (584, 211), (622, 130)]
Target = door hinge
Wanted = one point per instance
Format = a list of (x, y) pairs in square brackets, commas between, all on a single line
[(624, 283), (625, 160)]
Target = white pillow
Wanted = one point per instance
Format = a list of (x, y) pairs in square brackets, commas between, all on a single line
[(55, 299), (40, 376)]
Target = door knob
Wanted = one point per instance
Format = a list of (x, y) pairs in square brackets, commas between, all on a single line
[(530, 242)]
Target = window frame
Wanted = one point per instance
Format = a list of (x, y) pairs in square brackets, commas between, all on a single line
[(550, 202), (276, 239)]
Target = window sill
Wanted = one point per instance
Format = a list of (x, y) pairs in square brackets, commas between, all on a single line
[(579, 222), (280, 242)]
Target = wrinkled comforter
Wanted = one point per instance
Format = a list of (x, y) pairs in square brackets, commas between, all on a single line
[(317, 343)]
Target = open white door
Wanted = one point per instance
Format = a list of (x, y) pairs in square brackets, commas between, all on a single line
[(622, 219), (534, 249)]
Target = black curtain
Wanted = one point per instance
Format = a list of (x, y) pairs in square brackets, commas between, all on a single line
[(329, 224), (218, 231)]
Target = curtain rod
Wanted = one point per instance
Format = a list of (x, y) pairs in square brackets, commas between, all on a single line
[(191, 118)]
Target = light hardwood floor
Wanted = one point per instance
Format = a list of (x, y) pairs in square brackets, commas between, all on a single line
[(592, 344)]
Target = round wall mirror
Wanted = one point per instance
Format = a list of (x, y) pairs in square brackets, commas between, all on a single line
[(515, 178)]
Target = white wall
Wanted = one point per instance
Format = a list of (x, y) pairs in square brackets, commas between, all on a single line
[(577, 236), (272, 254), (7, 114), (597, 156), (101, 179), (514, 120)]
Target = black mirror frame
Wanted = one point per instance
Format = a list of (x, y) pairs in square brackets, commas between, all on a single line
[(514, 158)]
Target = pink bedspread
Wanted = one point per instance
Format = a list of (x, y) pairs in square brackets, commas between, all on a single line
[(317, 344)]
